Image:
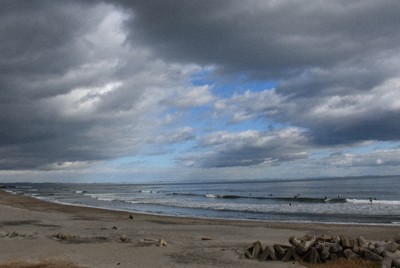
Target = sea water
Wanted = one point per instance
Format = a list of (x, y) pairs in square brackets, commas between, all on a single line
[(371, 200)]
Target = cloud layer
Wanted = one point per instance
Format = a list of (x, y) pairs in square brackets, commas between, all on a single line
[(86, 82)]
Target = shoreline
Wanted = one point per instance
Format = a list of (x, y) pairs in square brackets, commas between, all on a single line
[(396, 224), (216, 219), (191, 242)]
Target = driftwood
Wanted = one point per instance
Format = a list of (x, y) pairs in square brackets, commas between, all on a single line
[(322, 249)]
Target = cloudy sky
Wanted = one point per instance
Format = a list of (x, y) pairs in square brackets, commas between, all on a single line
[(133, 91)]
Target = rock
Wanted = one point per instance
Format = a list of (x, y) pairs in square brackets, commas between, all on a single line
[(131, 217), (325, 254), (387, 262), (124, 238), (356, 248), (350, 255), (369, 255), (335, 239), (302, 246), (311, 256), (393, 255), (61, 236), (280, 250), (252, 251), (396, 263), (331, 247), (161, 243), (333, 257), (345, 242), (362, 243), (334, 248), (314, 257), (371, 247), (379, 249), (291, 254), (324, 238), (392, 247), (14, 234), (267, 253), (323, 248), (206, 238)]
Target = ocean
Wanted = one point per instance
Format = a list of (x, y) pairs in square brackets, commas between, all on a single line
[(360, 200)]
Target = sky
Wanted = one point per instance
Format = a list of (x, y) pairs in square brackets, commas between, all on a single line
[(164, 90)]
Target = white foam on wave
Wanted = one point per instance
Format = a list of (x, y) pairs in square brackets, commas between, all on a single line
[(102, 197), (149, 191), (80, 192), (211, 196), (10, 191), (133, 202), (368, 201)]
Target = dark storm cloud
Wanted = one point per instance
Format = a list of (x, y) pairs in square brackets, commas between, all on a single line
[(71, 92), (81, 80), (250, 148), (266, 38), (318, 51)]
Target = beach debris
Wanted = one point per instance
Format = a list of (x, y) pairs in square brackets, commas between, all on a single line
[(114, 228), (15, 234), (206, 238), (158, 242), (131, 217), (321, 249), (124, 238), (63, 236), (161, 243)]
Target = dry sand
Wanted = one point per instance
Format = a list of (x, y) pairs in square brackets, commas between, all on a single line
[(92, 237)]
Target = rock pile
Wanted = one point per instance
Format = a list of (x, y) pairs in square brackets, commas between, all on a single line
[(322, 249)]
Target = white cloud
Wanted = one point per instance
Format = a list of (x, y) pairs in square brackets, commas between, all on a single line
[(249, 148), (191, 97)]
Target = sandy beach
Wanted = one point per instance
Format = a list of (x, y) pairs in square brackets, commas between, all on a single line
[(33, 230)]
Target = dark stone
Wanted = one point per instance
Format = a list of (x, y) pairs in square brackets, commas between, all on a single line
[(280, 250), (314, 257), (334, 248), (325, 254), (392, 247), (350, 255), (362, 243), (369, 255), (336, 240), (267, 253), (379, 250), (302, 246), (291, 254), (345, 242), (387, 262), (252, 251), (356, 248), (396, 263), (333, 257), (393, 255)]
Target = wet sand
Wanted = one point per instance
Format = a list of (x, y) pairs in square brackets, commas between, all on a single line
[(33, 230)]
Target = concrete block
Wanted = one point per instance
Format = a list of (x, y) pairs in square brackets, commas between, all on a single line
[(252, 251)]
